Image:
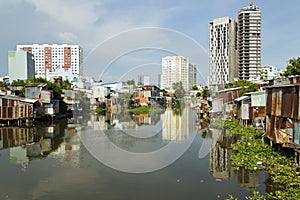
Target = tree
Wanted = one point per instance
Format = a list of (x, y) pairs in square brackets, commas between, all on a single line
[(67, 85), (246, 86), (165, 92), (293, 67), (205, 93), (195, 87), (178, 90), (130, 82), (18, 83), (140, 84)]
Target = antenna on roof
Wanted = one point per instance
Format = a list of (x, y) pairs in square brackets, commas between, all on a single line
[(251, 2)]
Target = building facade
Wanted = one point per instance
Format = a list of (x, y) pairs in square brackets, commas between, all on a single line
[(269, 72), (249, 42), (20, 65), (177, 69), (47, 57), (223, 66)]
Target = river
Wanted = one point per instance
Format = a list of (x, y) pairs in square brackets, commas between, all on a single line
[(118, 156)]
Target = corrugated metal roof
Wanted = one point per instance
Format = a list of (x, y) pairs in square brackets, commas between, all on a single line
[(282, 86), (11, 97), (255, 93), (29, 100), (242, 98), (229, 89), (36, 85)]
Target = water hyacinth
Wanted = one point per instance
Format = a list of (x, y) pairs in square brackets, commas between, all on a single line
[(251, 153)]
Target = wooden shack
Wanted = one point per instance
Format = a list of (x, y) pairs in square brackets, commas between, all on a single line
[(226, 98), (282, 114), (16, 108)]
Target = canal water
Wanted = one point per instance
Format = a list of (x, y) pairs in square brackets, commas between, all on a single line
[(164, 156)]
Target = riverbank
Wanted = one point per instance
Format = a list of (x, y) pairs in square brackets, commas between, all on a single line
[(253, 153)]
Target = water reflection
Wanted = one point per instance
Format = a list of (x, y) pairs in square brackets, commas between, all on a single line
[(68, 152), (49, 161), (177, 125), (40, 141), (220, 165), (171, 125), (15, 136)]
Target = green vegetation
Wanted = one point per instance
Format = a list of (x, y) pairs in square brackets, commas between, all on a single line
[(140, 83), (131, 82), (144, 110), (165, 92), (253, 154), (178, 90), (101, 109), (293, 67), (195, 87), (205, 93), (246, 86)]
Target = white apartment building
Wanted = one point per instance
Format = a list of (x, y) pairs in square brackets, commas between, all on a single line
[(177, 69), (269, 72), (249, 42), (47, 57), (223, 66)]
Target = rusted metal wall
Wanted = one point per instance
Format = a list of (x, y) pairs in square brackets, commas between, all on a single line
[(228, 96), (15, 136), (283, 102), (282, 110)]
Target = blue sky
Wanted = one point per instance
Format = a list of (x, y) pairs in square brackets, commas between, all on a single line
[(113, 34)]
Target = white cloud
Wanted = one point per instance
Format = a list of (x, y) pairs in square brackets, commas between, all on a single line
[(74, 13), (67, 37)]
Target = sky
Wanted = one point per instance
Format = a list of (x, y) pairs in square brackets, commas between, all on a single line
[(127, 39)]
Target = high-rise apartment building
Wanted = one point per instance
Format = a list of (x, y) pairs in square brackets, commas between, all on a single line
[(177, 69), (249, 42), (223, 66), (20, 65), (49, 57)]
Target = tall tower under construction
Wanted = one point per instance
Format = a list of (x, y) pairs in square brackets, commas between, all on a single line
[(249, 42)]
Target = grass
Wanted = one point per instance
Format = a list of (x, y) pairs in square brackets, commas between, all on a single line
[(144, 110)]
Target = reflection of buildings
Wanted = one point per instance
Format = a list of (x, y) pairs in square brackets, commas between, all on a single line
[(249, 179), (101, 122), (15, 136), (26, 144), (219, 162), (69, 150), (178, 127), (122, 121), (146, 119), (220, 165)]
